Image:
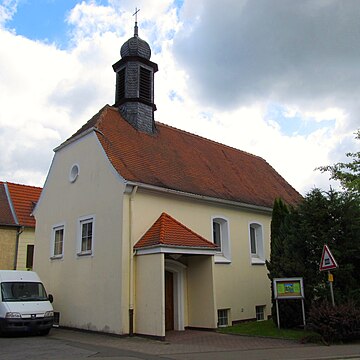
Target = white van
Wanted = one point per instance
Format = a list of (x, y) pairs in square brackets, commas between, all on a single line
[(24, 305)]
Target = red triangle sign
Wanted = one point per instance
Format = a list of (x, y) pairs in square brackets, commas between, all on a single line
[(327, 260)]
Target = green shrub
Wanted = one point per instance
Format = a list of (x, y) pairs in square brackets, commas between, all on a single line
[(335, 323)]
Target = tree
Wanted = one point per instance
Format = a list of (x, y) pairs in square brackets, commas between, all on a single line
[(279, 214), (331, 218), (347, 173), (278, 264)]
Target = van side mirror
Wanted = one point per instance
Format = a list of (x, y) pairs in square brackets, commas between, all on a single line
[(51, 298)]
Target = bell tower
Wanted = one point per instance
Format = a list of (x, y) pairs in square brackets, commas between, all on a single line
[(134, 93)]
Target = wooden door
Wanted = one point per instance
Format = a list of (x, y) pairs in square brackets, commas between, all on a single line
[(169, 301)]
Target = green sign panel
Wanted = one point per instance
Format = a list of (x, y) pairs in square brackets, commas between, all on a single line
[(288, 288)]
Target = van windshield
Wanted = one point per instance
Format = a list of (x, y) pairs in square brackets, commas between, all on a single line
[(23, 291)]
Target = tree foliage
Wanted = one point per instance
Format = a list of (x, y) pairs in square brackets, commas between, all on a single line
[(347, 173), (297, 239)]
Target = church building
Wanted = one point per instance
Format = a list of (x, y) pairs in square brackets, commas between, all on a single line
[(143, 228)]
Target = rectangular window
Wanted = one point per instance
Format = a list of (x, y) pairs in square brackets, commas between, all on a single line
[(86, 236), (29, 256), (58, 241), (223, 317), (260, 312)]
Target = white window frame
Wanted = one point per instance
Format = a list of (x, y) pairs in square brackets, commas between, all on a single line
[(257, 258), (260, 312), (85, 220), (224, 316), (224, 254), (56, 228)]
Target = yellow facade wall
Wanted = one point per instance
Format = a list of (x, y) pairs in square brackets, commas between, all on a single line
[(27, 237), (7, 248), (150, 301), (88, 290), (201, 292), (239, 285)]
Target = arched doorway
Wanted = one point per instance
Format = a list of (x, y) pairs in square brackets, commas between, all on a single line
[(174, 295)]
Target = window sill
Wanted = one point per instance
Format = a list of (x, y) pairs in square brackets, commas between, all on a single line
[(221, 259), (257, 261), (56, 257), (84, 253)]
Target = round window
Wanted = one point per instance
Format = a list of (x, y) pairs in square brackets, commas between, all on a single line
[(74, 173)]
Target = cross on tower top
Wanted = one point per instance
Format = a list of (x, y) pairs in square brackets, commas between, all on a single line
[(135, 13), (136, 27)]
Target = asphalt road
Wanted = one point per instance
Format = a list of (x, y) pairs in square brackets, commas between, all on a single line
[(72, 345)]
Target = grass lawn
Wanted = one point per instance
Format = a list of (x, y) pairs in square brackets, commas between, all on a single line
[(268, 328)]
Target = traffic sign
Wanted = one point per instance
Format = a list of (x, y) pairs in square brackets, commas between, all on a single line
[(327, 260)]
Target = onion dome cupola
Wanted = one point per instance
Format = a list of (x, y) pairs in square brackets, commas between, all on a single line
[(134, 94)]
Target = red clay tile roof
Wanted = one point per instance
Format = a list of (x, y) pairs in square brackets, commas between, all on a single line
[(170, 232), (23, 198), (6, 216), (175, 159)]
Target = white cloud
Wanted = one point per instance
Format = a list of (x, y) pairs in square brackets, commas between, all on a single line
[(220, 68)]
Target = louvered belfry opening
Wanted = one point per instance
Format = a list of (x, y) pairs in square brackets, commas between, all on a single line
[(134, 94), (145, 84), (120, 85)]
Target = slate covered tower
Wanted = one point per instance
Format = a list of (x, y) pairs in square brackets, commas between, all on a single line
[(134, 94)]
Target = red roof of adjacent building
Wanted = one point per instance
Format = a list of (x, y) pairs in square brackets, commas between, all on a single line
[(177, 160), (167, 231), (17, 203), (6, 216)]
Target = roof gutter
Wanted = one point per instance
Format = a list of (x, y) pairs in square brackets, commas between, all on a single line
[(18, 233), (175, 249), (238, 204), (131, 262)]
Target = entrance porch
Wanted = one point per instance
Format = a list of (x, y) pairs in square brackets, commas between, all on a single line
[(174, 284)]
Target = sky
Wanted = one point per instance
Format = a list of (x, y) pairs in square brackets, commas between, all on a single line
[(277, 78)]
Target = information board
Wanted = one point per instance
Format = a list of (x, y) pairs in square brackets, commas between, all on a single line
[(288, 288)]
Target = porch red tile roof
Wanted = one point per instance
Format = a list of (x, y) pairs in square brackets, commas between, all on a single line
[(169, 232), (178, 160), (23, 199)]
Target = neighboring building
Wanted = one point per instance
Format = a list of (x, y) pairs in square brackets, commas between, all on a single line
[(143, 228), (17, 225)]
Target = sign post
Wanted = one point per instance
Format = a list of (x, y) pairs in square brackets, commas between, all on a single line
[(289, 288), (328, 263)]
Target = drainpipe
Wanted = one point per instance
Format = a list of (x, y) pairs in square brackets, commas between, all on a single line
[(131, 264), (18, 233)]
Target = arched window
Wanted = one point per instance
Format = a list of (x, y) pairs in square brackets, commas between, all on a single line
[(256, 243), (221, 237)]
